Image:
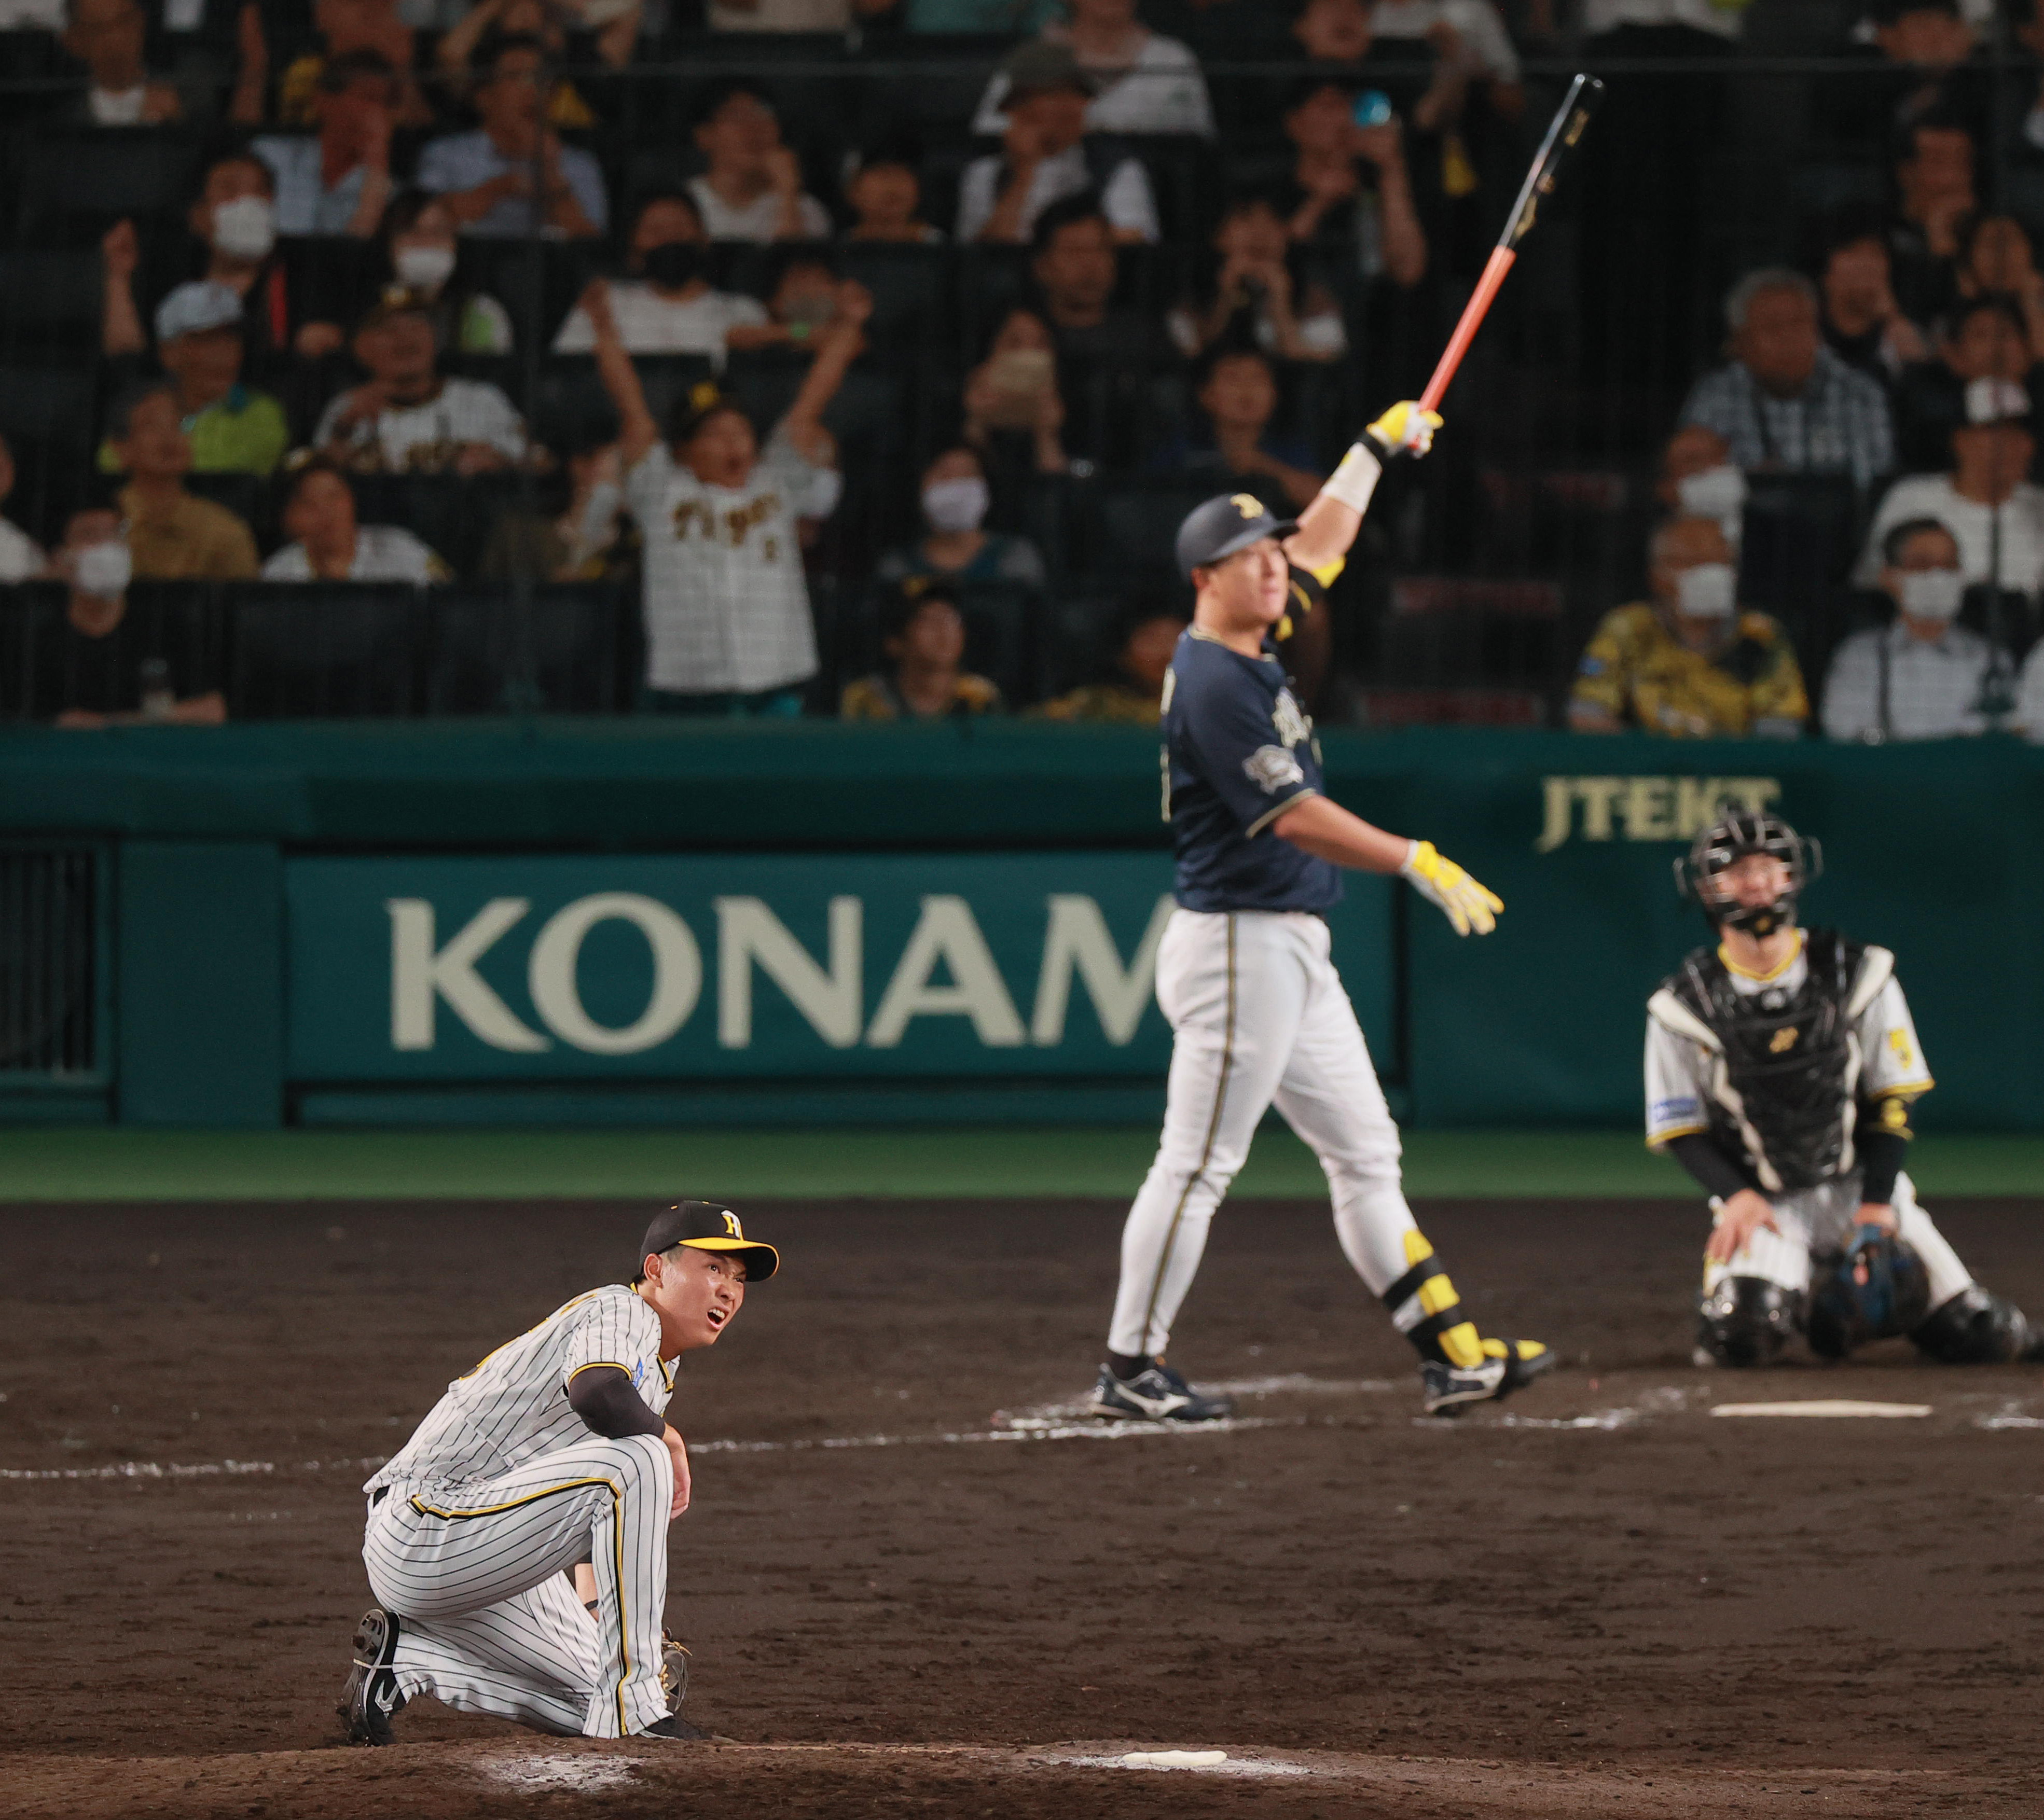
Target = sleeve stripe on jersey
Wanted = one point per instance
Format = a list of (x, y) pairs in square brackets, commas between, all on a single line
[(1271, 814), (1656, 1139), (598, 1365)]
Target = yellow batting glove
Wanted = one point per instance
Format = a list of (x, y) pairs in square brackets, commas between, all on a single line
[(1450, 890), (1404, 430)]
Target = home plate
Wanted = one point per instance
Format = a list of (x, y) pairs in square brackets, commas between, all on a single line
[(1173, 1759), (1822, 1406)]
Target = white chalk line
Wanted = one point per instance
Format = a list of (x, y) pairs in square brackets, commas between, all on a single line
[(582, 1774), (1052, 1421)]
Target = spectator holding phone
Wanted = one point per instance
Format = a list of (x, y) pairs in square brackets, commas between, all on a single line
[(1012, 397), (1255, 299), (1349, 180)]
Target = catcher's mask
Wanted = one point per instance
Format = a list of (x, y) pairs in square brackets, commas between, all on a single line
[(1700, 873)]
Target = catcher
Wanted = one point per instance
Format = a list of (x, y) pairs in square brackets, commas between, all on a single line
[(1780, 1067)]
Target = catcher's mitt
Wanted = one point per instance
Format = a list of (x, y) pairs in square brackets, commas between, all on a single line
[(1876, 1288)]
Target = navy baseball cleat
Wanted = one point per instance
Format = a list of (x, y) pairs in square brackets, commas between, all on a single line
[(370, 1697), (1507, 1365), (1156, 1393)]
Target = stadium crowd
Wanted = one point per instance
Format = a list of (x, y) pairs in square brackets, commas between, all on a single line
[(767, 357)]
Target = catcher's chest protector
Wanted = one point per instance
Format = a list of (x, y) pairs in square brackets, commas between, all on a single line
[(1789, 1056)]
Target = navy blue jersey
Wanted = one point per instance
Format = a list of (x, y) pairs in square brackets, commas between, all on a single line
[(1238, 751)]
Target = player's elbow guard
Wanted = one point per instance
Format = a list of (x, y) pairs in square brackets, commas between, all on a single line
[(603, 1397)]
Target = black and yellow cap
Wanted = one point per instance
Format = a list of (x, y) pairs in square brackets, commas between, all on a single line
[(1232, 521), (706, 1225)]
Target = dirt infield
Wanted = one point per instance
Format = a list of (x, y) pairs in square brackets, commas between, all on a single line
[(1600, 1600)]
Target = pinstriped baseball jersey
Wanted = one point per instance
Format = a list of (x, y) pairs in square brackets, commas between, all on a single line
[(514, 1406)]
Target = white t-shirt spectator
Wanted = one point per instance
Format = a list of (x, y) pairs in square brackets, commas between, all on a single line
[(726, 607), (1486, 45), (425, 438), (382, 553), (20, 557), (1124, 198), (464, 160), (651, 324), (1604, 15), (305, 206), (1933, 688), (759, 221), (1162, 91), (1972, 525)]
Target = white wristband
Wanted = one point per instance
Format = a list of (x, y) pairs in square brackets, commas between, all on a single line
[(1355, 480)]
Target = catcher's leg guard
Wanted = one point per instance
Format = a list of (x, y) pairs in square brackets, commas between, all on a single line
[(1746, 1320), (1976, 1328)]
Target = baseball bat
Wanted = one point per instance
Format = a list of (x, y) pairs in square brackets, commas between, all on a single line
[(1566, 127)]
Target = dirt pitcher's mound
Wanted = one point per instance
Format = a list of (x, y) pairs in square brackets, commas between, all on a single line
[(1073, 1781)]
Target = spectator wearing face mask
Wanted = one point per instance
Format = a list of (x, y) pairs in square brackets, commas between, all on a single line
[(1134, 697), (423, 250), (1048, 155), (21, 558), (1141, 82), (1698, 481), (1923, 676), (1688, 664), (1985, 501), (953, 548), (1784, 402), (753, 188), (1862, 323), (729, 630), (235, 219), (1986, 341), (406, 418), (95, 666), (232, 427), (107, 37), (669, 306), (171, 535), (328, 544), (924, 677)]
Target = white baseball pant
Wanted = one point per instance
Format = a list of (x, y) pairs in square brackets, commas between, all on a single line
[(1822, 1219), (1259, 1014), (487, 1620)]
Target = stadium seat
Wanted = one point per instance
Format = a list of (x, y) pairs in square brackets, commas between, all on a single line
[(452, 513), (322, 650), (73, 184), (50, 300), (570, 652)]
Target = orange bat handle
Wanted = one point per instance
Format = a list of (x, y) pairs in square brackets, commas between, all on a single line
[(1473, 313)]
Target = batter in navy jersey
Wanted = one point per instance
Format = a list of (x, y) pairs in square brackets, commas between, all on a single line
[(1259, 1014)]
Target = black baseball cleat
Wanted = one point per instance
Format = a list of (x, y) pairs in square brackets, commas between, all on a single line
[(1156, 1393), (677, 1730), (1508, 1364), (370, 1699)]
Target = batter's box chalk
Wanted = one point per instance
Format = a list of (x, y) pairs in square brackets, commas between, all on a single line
[(1173, 1759), (1824, 1406)]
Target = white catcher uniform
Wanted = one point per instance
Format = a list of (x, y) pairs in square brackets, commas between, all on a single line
[(474, 1526), (1875, 1066)]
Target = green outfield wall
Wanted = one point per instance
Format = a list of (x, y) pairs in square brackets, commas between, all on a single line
[(700, 924)]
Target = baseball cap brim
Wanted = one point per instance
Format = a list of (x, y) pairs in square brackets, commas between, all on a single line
[(1279, 528), (761, 1261)]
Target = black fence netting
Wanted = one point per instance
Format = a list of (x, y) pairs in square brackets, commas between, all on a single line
[(304, 411)]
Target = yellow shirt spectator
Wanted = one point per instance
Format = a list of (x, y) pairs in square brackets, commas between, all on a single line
[(1688, 664), (1635, 669)]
